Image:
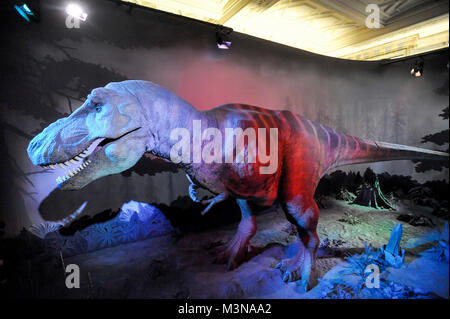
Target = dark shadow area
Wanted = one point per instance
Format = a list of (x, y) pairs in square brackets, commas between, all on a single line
[(147, 166), (59, 204)]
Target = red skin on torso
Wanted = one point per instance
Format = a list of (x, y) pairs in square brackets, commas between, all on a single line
[(244, 180)]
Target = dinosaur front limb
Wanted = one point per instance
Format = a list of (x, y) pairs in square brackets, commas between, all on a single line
[(213, 201), (210, 201), (193, 190)]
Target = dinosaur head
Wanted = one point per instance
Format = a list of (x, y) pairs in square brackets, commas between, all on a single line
[(111, 120)]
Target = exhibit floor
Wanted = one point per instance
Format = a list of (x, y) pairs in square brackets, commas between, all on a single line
[(180, 265)]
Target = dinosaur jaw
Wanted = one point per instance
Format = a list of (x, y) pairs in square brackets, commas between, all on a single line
[(79, 176), (104, 156)]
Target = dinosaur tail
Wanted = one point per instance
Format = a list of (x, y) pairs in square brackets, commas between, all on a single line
[(353, 150)]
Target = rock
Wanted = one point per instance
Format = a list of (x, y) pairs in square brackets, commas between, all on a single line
[(135, 221), (416, 220), (350, 219)]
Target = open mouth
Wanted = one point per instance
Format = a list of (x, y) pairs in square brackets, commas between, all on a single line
[(80, 161), (72, 166)]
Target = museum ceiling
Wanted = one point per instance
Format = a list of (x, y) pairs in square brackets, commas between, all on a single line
[(331, 27)]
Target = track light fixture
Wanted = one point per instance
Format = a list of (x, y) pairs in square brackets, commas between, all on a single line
[(223, 38), (27, 10), (417, 70), (76, 11)]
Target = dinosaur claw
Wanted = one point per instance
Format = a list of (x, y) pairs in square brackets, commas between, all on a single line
[(231, 266), (304, 285), (287, 276)]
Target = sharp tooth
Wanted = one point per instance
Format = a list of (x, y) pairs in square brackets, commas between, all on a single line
[(78, 158), (61, 165), (52, 166), (66, 163), (58, 180), (72, 161)]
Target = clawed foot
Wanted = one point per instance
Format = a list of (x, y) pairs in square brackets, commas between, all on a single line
[(289, 269), (297, 268)]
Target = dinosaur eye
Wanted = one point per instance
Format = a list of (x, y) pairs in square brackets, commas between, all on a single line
[(98, 107)]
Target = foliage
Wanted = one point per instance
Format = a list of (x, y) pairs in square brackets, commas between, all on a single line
[(358, 264), (339, 291), (337, 181), (440, 249), (370, 177), (418, 193), (370, 194), (350, 219), (439, 138), (343, 186)]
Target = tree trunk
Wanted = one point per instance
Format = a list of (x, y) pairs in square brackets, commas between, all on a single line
[(371, 196)]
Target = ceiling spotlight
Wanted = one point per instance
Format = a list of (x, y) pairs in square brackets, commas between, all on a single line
[(75, 11), (417, 70), (222, 38), (23, 9)]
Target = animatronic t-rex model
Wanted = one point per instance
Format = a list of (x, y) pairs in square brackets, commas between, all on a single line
[(133, 118)]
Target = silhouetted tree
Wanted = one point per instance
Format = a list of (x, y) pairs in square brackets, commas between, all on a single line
[(370, 193), (440, 139)]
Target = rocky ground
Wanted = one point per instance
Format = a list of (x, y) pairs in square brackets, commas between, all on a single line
[(180, 266)]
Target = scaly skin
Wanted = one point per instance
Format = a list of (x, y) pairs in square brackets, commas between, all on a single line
[(136, 118)]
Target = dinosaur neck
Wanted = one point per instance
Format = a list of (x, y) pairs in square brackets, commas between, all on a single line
[(169, 116)]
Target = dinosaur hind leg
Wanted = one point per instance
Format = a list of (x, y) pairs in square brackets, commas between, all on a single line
[(303, 212), (235, 252)]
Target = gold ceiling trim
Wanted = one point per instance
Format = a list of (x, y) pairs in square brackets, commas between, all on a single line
[(330, 27)]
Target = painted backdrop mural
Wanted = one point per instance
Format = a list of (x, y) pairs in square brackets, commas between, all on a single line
[(47, 70)]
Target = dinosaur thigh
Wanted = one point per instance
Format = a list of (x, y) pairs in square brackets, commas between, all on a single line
[(238, 181)]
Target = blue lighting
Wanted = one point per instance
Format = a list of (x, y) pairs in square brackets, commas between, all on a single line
[(27, 10), (24, 11)]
